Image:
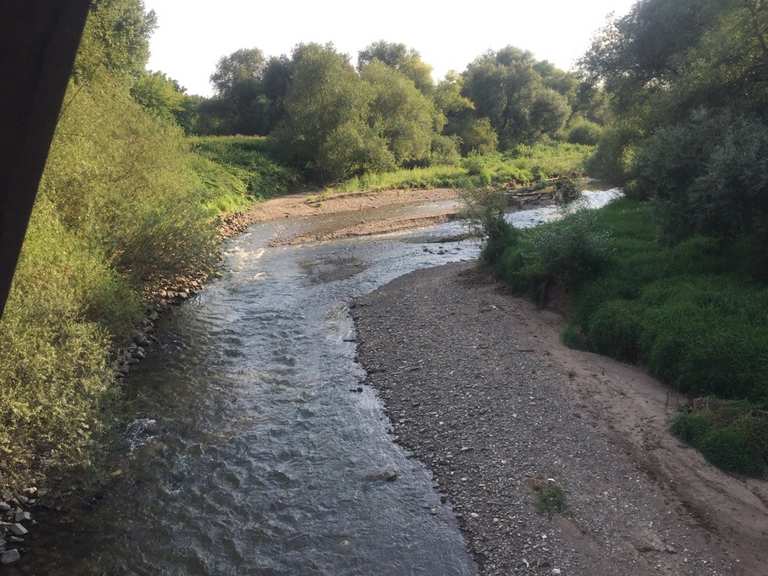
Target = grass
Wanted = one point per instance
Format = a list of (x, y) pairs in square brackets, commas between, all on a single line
[(550, 498), (524, 165), (690, 313), (248, 159)]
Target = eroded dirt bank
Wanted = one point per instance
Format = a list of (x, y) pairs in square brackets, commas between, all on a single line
[(479, 386)]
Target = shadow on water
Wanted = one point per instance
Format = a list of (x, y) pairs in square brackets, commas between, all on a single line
[(254, 451)]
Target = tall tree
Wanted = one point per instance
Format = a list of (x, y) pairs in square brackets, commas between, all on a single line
[(244, 65), (507, 89), (401, 114), (401, 58)]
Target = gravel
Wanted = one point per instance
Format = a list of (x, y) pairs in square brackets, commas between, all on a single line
[(472, 392)]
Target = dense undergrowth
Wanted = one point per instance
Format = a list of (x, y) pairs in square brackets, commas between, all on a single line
[(250, 164), (522, 165), (690, 312)]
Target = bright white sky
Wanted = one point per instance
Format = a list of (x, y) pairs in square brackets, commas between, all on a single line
[(193, 34)]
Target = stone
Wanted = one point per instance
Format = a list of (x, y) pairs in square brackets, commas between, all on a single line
[(30, 492), (10, 556), (22, 516), (18, 530), (5, 507)]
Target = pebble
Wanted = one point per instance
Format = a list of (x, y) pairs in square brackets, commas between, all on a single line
[(10, 556), (4, 507), (22, 516), (18, 530)]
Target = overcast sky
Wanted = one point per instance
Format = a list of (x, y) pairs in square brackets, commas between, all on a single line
[(193, 34)]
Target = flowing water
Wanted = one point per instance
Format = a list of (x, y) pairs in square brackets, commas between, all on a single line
[(257, 450)]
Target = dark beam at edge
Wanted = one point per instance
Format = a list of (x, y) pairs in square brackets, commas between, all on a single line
[(38, 43)]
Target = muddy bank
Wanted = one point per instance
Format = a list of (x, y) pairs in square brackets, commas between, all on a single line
[(479, 386), (318, 204)]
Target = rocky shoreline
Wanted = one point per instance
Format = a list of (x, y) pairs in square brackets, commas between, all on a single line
[(528, 445)]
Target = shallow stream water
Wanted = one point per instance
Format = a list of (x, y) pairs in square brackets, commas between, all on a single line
[(257, 450)]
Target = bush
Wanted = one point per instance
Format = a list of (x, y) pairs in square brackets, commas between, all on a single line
[(478, 136), (445, 150), (584, 132), (614, 330), (120, 178), (569, 251), (54, 343), (731, 435), (613, 159), (248, 159)]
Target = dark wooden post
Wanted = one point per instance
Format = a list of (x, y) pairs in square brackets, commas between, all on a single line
[(38, 43)]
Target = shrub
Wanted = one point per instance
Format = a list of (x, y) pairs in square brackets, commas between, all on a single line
[(53, 349), (612, 161), (445, 150), (120, 178), (614, 330), (571, 250), (583, 131)]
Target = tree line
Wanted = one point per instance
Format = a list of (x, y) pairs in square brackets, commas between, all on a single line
[(334, 120)]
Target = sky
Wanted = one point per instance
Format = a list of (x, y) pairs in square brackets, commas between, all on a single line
[(193, 34)]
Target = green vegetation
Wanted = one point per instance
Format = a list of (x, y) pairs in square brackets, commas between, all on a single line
[(690, 312), (550, 499), (522, 166), (674, 277), (123, 202), (246, 165), (730, 434), (333, 122)]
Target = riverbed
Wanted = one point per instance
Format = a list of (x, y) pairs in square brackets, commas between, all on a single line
[(256, 448)]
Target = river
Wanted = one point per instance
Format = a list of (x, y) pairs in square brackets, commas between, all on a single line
[(257, 449)]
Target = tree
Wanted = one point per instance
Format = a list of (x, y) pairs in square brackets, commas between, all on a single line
[(325, 129), (159, 94), (115, 39), (474, 134), (244, 65), (402, 115), (506, 87), (401, 58)]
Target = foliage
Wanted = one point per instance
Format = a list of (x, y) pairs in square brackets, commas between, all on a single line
[(250, 160), (730, 434), (165, 98), (689, 312), (325, 130), (690, 76), (485, 208), (567, 252), (121, 201), (582, 131), (115, 40), (405, 118), (401, 58), (612, 161), (709, 174), (244, 65), (53, 343), (119, 177), (551, 499), (521, 166), (510, 89)]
